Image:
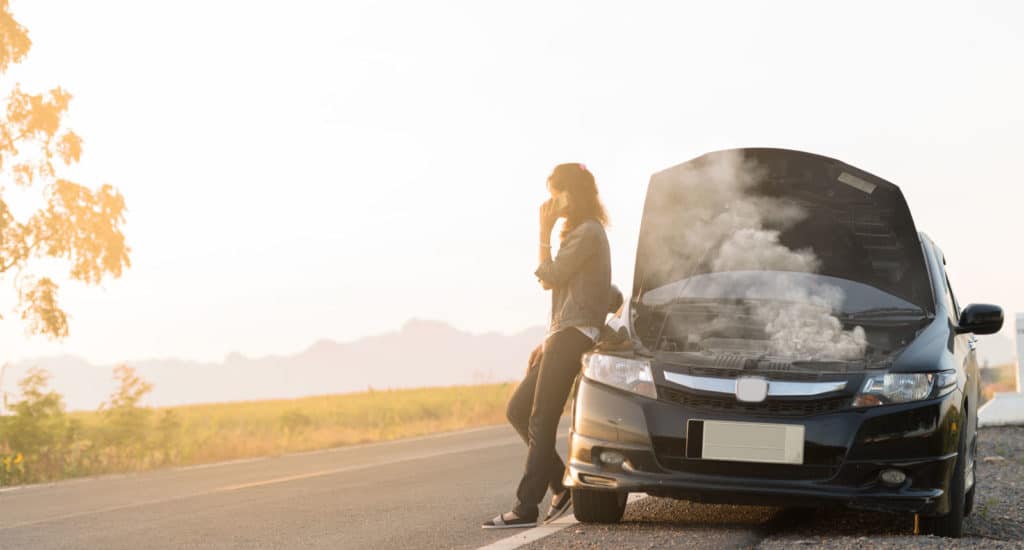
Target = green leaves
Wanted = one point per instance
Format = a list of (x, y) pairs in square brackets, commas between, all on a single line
[(83, 227), (39, 441), (14, 42), (75, 223), (69, 146), (125, 423), (38, 307), (36, 116), (35, 430)]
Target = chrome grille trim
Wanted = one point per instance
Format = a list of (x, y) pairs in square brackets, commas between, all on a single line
[(776, 388)]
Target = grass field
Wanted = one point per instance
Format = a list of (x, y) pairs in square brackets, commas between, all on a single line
[(86, 443), (257, 428), (216, 432)]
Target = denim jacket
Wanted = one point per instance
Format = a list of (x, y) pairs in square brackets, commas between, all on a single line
[(579, 277)]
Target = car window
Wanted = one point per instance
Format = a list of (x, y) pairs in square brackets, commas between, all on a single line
[(954, 307), (947, 295)]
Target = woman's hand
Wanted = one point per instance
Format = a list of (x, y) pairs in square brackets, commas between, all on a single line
[(548, 216), (535, 357)]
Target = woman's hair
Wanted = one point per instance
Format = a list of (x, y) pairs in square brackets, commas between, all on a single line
[(584, 203)]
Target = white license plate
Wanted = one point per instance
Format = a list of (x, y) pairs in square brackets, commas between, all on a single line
[(747, 441)]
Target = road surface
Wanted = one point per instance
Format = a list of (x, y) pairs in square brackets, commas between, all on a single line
[(430, 492)]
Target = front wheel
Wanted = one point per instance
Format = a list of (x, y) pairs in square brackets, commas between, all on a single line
[(952, 524), (973, 472), (596, 506)]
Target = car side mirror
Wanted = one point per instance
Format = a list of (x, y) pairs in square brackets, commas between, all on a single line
[(981, 319)]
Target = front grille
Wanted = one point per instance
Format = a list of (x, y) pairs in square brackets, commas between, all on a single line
[(773, 407), (777, 374)]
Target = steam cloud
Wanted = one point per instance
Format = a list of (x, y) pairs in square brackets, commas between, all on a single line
[(723, 226)]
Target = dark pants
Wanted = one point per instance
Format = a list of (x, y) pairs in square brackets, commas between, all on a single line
[(534, 411)]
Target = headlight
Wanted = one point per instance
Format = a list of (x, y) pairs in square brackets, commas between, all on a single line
[(886, 389), (626, 374)]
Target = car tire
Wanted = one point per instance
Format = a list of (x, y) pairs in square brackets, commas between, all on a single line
[(969, 504), (969, 501), (952, 524), (596, 506)]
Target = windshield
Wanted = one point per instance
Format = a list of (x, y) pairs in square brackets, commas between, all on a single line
[(773, 314), (840, 296)]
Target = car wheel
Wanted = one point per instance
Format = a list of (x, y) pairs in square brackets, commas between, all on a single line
[(952, 524), (969, 500), (596, 506)]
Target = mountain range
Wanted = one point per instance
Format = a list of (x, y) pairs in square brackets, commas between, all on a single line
[(421, 353)]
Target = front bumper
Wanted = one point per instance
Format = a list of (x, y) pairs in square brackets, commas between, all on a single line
[(844, 452)]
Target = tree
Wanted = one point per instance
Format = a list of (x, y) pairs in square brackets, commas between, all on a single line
[(126, 422), (38, 427), (74, 224)]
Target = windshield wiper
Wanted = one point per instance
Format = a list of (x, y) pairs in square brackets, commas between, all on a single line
[(693, 302), (887, 312)]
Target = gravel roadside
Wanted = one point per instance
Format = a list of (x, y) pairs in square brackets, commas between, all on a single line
[(997, 521)]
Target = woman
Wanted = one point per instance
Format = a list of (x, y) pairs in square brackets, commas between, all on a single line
[(580, 282)]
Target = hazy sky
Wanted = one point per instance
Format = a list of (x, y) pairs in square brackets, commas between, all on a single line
[(302, 170)]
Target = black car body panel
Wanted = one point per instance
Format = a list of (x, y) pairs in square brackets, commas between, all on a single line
[(861, 229), (845, 447)]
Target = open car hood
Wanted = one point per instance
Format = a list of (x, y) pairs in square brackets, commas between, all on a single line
[(779, 210)]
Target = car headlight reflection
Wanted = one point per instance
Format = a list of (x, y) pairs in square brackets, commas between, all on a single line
[(632, 375), (886, 389)]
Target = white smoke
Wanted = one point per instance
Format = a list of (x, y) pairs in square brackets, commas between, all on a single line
[(801, 325), (751, 249), (717, 222)]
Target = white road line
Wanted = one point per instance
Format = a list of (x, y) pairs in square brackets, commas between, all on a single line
[(531, 535)]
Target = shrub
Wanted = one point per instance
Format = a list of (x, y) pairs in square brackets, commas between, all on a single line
[(37, 432)]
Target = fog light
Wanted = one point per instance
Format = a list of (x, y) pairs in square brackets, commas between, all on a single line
[(612, 458), (597, 480), (892, 477)]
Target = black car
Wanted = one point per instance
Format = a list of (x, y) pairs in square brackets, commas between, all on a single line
[(790, 339)]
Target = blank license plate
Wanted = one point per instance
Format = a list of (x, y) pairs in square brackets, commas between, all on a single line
[(745, 441)]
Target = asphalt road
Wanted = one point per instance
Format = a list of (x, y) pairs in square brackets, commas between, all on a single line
[(429, 492)]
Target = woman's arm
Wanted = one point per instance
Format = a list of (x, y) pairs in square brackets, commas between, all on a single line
[(545, 257), (548, 217), (578, 246)]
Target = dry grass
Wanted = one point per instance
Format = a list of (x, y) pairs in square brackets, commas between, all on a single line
[(214, 432), (997, 379)]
